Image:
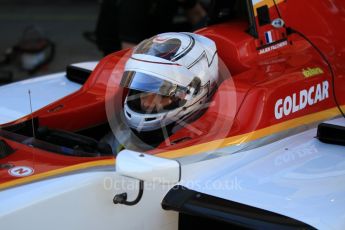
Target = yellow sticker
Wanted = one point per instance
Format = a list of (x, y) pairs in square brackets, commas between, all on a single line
[(310, 72)]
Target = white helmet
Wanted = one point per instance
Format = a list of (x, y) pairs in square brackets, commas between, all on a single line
[(181, 66)]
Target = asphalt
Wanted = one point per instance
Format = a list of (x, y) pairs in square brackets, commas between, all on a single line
[(63, 22)]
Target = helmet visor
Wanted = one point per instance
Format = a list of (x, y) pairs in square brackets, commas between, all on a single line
[(148, 83), (163, 48)]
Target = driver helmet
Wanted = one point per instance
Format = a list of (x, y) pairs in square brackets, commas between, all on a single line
[(170, 77)]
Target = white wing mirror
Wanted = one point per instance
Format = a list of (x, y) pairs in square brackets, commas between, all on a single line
[(147, 167)]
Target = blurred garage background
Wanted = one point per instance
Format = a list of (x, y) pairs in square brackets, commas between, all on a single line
[(38, 37), (61, 21)]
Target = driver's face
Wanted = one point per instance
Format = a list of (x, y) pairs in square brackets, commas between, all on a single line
[(151, 101)]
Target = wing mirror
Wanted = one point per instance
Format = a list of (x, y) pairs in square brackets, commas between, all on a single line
[(148, 167)]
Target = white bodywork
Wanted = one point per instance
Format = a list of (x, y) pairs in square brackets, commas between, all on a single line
[(299, 177), (14, 98), (147, 167), (84, 201)]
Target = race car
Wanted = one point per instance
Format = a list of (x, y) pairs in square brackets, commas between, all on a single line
[(249, 159)]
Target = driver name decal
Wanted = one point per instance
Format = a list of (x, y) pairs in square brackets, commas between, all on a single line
[(299, 101), (273, 47)]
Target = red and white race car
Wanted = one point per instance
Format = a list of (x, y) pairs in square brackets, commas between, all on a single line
[(251, 159)]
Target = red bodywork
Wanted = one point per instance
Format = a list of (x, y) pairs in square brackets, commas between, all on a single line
[(245, 103)]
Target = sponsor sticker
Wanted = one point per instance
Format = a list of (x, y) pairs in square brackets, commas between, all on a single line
[(311, 72), (21, 171), (278, 23), (301, 100)]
